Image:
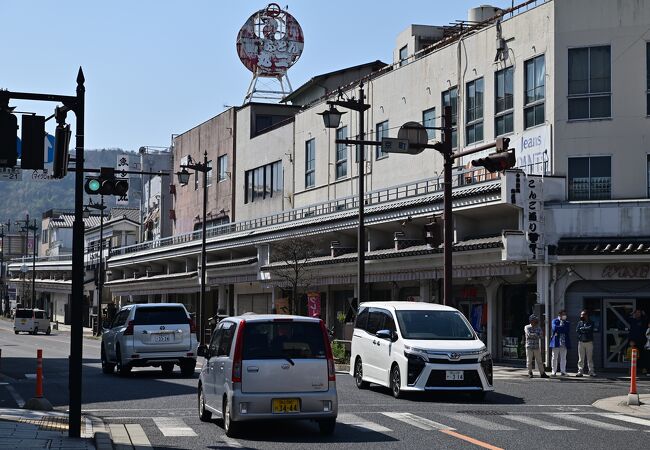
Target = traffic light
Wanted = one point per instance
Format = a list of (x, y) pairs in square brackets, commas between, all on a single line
[(33, 142), (61, 144), (501, 160), (106, 184), (8, 138), (433, 232)]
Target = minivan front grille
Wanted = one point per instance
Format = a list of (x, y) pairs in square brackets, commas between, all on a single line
[(438, 378), (452, 361)]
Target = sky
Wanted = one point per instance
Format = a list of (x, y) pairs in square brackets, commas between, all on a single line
[(154, 68)]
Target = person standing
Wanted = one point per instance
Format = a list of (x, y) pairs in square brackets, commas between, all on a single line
[(559, 343), (637, 337), (585, 330), (533, 334)]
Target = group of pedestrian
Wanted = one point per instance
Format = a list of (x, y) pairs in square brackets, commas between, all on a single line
[(639, 338), (559, 344)]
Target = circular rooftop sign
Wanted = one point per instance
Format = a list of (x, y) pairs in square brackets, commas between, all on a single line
[(270, 42)]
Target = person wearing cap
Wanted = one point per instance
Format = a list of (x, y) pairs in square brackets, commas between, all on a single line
[(585, 331), (533, 334), (559, 342)]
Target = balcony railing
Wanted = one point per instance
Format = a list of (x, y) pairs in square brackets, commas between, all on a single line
[(463, 177)]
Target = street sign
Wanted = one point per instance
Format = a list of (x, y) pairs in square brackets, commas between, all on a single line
[(10, 174), (122, 166), (395, 145)]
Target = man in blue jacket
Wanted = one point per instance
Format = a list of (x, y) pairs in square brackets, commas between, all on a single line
[(559, 342)]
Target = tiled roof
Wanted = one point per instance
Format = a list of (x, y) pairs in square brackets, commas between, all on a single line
[(604, 246), (66, 221), (130, 213), (232, 263)]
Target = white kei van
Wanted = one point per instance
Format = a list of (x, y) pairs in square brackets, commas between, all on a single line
[(31, 321), (413, 346)]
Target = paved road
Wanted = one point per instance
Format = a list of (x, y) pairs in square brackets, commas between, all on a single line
[(522, 413)]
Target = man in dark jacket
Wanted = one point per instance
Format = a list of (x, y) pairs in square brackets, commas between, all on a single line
[(585, 330)]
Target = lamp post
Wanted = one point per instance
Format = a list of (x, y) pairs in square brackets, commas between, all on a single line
[(100, 272), (183, 179), (332, 119)]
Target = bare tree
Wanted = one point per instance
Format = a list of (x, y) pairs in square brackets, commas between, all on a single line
[(290, 268)]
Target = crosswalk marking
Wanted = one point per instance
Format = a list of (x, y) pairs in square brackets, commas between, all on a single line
[(138, 437), (362, 424), (477, 421), (538, 423), (417, 421), (594, 423), (630, 419), (172, 426)]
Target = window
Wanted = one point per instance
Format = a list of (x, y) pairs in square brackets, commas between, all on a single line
[(362, 319), (381, 132), (429, 120), (208, 175), (264, 122), (341, 154), (474, 111), (503, 101), (262, 182), (403, 55), (160, 315), (222, 166), (45, 236), (590, 178), (216, 338), (310, 163), (375, 320), (535, 85), (225, 343), (434, 325), (450, 98), (283, 340), (590, 95), (647, 72)]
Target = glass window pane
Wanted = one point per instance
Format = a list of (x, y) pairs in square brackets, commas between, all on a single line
[(578, 168), (509, 87), (600, 69), (529, 117), (539, 114), (530, 81), (479, 132), (509, 123), (600, 107), (499, 125), (578, 71), (578, 108), (600, 166), (540, 77), (429, 120), (268, 187), (647, 62)]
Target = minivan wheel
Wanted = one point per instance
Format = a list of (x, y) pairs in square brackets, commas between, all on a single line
[(396, 382), (35, 331), (107, 367), (229, 426), (358, 375), (167, 368), (122, 369), (327, 426), (48, 331), (204, 414)]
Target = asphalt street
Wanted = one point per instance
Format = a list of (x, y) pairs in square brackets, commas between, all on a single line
[(522, 413)]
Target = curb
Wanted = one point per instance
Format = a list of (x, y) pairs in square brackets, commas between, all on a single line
[(619, 405), (103, 440)]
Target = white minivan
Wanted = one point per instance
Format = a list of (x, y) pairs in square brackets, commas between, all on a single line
[(414, 346), (31, 321)]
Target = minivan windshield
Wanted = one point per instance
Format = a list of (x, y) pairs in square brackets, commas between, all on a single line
[(282, 340), (23, 313), (433, 325)]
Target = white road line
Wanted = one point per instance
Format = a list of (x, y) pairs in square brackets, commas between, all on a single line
[(362, 424), (16, 396), (231, 442), (478, 422), (624, 418), (138, 437), (591, 422), (417, 421), (538, 423), (119, 434), (172, 426)]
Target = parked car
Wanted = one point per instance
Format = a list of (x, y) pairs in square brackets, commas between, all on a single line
[(151, 334), (31, 321), (262, 367), (413, 346)]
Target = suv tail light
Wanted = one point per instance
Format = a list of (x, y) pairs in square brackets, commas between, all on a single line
[(237, 357), (192, 325), (331, 370), (129, 329)]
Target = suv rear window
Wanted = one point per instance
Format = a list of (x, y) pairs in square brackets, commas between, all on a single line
[(24, 313), (160, 315), (280, 340)]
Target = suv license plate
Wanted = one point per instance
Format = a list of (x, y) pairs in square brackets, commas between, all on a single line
[(161, 338), (455, 375), (286, 405)]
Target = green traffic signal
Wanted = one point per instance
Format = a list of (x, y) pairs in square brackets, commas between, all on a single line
[(93, 185)]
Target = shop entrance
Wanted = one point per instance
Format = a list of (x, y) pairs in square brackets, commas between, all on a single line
[(616, 329)]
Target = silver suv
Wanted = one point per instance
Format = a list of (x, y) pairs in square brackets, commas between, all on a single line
[(154, 334), (263, 367)]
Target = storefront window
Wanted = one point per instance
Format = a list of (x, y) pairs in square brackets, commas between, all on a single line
[(518, 304)]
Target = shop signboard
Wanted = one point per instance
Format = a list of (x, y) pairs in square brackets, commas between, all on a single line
[(534, 216), (313, 304), (282, 306), (533, 150)]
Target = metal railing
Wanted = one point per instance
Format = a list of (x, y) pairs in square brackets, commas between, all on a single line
[(463, 177)]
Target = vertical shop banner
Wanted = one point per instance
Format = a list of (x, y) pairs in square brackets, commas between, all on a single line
[(122, 166), (313, 304), (282, 306), (534, 215)]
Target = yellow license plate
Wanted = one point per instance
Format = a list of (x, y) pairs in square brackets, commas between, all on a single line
[(286, 405)]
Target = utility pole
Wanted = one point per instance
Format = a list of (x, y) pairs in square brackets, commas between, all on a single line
[(25, 227)]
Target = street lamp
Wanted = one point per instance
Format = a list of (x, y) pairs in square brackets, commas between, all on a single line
[(183, 179), (100, 272), (332, 119)]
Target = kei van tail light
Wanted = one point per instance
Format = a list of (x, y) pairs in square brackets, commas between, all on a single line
[(331, 370)]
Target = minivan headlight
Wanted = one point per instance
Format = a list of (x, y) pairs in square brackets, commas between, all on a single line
[(486, 365), (415, 364)]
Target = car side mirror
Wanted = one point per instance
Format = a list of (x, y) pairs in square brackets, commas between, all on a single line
[(384, 334), (393, 335), (202, 351)]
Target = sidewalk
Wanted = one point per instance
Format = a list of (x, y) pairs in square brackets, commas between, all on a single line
[(25, 429), (619, 405), (88, 332)]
